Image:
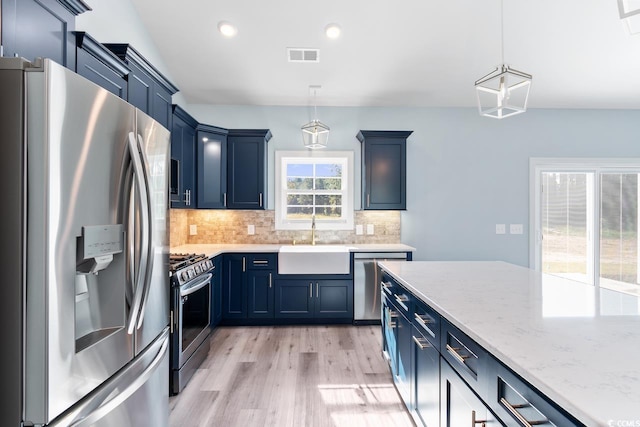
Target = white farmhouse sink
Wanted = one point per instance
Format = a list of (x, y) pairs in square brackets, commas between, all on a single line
[(313, 259)]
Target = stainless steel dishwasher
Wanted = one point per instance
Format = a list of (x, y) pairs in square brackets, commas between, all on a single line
[(366, 284)]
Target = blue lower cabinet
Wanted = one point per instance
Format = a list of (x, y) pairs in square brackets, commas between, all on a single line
[(314, 299), (404, 369), (459, 405), (261, 294), (234, 287), (216, 292), (426, 380)]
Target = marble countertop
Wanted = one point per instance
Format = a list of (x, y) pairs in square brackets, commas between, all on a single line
[(577, 344), (216, 249)]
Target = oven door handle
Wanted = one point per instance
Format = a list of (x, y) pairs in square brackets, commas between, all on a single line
[(196, 286)]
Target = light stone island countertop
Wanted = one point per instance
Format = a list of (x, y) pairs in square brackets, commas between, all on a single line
[(578, 345), (212, 250)]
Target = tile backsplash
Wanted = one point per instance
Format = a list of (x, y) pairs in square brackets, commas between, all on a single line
[(230, 226)]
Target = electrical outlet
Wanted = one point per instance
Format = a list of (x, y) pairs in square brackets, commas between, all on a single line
[(516, 229), (359, 229), (193, 229), (501, 229), (251, 229), (369, 229)]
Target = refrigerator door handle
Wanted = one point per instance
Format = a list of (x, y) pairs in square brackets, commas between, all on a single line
[(150, 247), (98, 404), (143, 198)]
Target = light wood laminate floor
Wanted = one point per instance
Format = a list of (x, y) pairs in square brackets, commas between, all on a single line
[(291, 376)]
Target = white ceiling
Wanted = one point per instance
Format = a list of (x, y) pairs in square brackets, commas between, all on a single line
[(396, 53)]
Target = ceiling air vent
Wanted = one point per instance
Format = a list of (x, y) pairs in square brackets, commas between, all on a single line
[(297, 54)]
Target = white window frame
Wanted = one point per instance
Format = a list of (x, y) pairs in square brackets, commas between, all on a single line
[(597, 166), (346, 158)]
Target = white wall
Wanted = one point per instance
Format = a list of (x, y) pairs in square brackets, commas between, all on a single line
[(118, 21), (465, 173)]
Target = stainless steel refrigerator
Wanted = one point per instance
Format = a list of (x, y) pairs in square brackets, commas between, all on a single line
[(84, 244)]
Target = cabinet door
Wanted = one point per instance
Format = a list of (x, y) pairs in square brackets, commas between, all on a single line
[(216, 292), (140, 88), (261, 294), (384, 173), (40, 28), (161, 105), (389, 327), (234, 287), (294, 299), (183, 163), (246, 169), (99, 65), (404, 372), (426, 380), (212, 169), (459, 404), (333, 299)]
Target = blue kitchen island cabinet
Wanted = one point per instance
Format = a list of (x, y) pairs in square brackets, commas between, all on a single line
[(98, 64), (148, 89), (247, 168), (183, 159), (315, 301), (41, 28), (384, 169)]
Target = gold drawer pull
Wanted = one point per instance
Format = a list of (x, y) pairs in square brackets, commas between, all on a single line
[(517, 415), (482, 423), (421, 342), (454, 352)]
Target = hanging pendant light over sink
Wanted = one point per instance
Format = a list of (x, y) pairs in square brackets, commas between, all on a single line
[(315, 134), (504, 92)]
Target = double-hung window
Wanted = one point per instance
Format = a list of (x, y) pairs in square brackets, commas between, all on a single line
[(319, 186), (585, 220)]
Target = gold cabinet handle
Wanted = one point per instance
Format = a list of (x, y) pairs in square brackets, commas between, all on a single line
[(517, 415), (421, 342), (424, 323), (482, 423), (454, 352)]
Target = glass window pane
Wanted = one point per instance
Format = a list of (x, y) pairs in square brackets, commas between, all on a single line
[(299, 169), (328, 200), (565, 238), (297, 212), (328, 184), (328, 212), (328, 170), (619, 232), (299, 183), (299, 199)]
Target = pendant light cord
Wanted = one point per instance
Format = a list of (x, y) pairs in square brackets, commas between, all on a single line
[(315, 106), (502, 30)]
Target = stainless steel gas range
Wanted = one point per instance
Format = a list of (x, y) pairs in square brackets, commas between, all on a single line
[(191, 280)]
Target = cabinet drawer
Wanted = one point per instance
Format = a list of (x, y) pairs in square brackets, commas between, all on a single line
[(465, 356), (261, 261), (427, 321), (517, 403), (398, 295)]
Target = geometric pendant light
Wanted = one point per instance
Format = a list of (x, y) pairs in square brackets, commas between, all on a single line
[(630, 13), (315, 134), (504, 92)]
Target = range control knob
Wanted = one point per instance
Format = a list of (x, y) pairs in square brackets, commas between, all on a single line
[(184, 275)]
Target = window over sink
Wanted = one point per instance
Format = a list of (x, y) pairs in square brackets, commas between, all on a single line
[(314, 184)]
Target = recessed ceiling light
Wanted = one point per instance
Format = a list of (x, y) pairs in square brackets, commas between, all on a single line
[(332, 31), (227, 29)]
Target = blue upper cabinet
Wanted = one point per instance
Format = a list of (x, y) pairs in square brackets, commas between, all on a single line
[(211, 147), (148, 89), (182, 187), (247, 168), (384, 169), (100, 65), (41, 28)]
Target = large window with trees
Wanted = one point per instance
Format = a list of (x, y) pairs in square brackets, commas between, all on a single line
[(318, 186), (585, 221)]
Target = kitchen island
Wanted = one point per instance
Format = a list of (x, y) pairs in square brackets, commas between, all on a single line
[(576, 344)]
